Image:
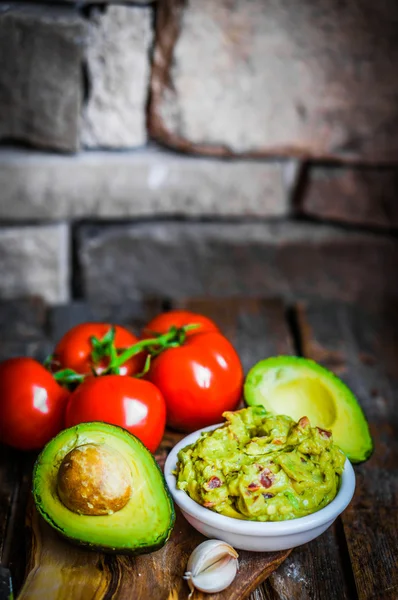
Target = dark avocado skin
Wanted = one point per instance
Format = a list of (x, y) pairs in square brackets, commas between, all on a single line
[(143, 549)]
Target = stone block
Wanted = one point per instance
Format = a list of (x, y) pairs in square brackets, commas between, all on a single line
[(362, 196), (144, 183), (266, 77), (118, 73), (41, 50), (290, 260), (35, 261)]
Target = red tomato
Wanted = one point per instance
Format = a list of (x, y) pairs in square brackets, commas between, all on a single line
[(74, 350), (31, 404), (199, 380), (133, 404), (178, 318)]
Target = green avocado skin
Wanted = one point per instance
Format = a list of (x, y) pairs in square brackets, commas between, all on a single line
[(156, 539), (107, 549), (352, 432)]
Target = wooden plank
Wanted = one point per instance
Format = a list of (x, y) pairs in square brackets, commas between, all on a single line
[(314, 571), (258, 329), (23, 319), (65, 316), (22, 333), (60, 570), (15, 467), (15, 555), (372, 540), (38, 349), (23, 328), (105, 572), (362, 347), (15, 474), (9, 479), (367, 364), (133, 315), (55, 567)]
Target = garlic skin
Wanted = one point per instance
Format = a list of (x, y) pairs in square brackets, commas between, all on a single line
[(211, 567)]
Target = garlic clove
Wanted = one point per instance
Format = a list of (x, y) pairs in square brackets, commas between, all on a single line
[(215, 580), (212, 567), (208, 553)]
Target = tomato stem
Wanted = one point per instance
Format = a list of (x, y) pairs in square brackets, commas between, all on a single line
[(68, 376), (146, 368), (104, 346), (171, 339)]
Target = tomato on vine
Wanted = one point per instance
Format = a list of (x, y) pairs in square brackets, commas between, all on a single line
[(179, 318), (32, 404), (134, 404), (199, 379), (90, 347)]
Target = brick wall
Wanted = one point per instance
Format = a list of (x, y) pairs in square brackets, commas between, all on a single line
[(197, 147)]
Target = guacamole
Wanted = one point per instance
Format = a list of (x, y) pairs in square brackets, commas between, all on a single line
[(262, 467)]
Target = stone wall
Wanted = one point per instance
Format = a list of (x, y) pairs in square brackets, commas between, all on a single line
[(194, 147)]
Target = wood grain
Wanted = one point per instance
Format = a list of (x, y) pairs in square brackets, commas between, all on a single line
[(23, 329), (28, 328), (9, 480), (314, 571), (355, 558), (63, 571), (22, 332), (15, 470), (362, 347), (133, 315), (160, 575), (257, 329), (57, 569)]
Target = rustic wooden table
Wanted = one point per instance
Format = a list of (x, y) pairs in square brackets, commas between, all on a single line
[(357, 558)]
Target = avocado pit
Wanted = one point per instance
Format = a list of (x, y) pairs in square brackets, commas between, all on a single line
[(94, 479)]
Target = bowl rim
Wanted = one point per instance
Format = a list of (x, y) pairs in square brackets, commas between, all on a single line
[(255, 528)]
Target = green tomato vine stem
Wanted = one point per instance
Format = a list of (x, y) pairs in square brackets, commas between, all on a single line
[(105, 347), (155, 345)]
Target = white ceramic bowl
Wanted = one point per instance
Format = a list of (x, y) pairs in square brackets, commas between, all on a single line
[(255, 535)]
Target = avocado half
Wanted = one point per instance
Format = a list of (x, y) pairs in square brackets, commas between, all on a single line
[(300, 387), (142, 525)]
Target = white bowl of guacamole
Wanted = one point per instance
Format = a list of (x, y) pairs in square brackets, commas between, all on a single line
[(260, 482)]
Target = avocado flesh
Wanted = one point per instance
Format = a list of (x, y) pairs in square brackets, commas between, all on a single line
[(299, 387), (144, 524)]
